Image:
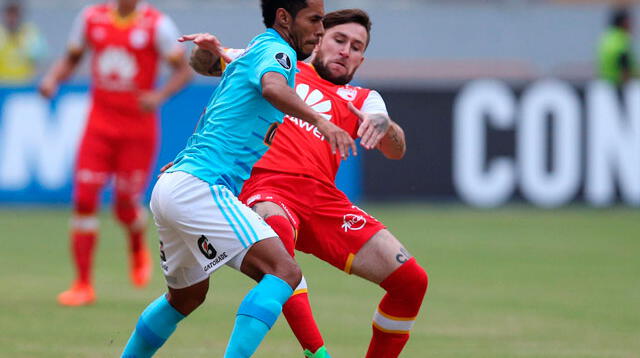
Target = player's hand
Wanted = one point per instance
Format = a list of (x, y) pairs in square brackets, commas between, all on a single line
[(338, 138), (207, 42), (373, 127), (165, 168), (48, 88), (150, 101)]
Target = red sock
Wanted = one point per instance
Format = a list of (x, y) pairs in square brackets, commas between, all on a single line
[(136, 240), (82, 249), (297, 310), (398, 309)]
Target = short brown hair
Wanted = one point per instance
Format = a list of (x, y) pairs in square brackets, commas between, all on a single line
[(348, 16)]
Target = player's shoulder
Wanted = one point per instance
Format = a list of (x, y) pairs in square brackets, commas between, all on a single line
[(149, 10), (270, 40)]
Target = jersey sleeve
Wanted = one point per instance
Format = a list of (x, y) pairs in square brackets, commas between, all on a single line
[(374, 104), (77, 40), (274, 57), (167, 38), (233, 53)]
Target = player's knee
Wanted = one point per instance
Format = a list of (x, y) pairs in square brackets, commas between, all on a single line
[(85, 202), (185, 304), (288, 271), (409, 282), (126, 209)]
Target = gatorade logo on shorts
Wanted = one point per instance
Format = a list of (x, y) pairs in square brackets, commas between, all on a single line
[(206, 248), (353, 222)]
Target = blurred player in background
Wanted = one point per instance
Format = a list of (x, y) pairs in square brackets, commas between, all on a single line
[(616, 61), (292, 188), (128, 40), (201, 223), (21, 45)]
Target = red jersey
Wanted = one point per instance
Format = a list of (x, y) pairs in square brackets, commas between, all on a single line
[(299, 147), (126, 55)]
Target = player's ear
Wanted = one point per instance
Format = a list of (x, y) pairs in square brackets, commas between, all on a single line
[(284, 18)]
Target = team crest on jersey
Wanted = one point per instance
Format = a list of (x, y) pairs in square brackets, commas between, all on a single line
[(353, 222), (283, 60), (138, 38), (348, 93)]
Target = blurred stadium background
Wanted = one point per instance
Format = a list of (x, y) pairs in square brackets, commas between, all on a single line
[(519, 191)]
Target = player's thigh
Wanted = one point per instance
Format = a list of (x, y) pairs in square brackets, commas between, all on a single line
[(269, 256), (267, 208), (201, 227), (379, 257), (335, 230)]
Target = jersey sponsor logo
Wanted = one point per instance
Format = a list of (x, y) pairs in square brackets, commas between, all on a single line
[(215, 261), (353, 222), (138, 38), (314, 99), (163, 256), (206, 248), (116, 68), (348, 93), (283, 60)]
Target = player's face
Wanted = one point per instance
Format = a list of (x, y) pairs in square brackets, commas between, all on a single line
[(307, 28), (341, 52), (128, 3), (12, 17)]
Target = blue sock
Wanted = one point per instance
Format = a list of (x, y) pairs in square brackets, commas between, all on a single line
[(156, 324), (257, 313)]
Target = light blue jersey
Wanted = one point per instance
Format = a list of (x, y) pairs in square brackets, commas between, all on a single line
[(233, 132)]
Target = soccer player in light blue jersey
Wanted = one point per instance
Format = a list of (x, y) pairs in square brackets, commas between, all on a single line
[(201, 224)]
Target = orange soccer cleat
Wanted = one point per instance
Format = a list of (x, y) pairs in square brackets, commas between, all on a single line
[(140, 267), (80, 294)]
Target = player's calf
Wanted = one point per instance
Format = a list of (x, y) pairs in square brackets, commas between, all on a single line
[(268, 263), (397, 312)]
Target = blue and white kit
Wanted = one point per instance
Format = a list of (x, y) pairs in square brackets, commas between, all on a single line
[(201, 224)]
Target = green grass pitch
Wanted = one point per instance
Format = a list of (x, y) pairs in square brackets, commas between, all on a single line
[(515, 282)]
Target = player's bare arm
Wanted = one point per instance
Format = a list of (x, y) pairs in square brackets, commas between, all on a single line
[(207, 54), (276, 90), (60, 71), (180, 76), (393, 145), (373, 127)]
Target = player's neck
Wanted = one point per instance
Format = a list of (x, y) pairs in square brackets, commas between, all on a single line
[(125, 11), (284, 34)]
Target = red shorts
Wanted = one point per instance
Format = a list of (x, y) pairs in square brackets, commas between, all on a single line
[(327, 224), (102, 155)]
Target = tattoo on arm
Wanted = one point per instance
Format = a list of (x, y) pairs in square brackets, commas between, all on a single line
[(394, 140)]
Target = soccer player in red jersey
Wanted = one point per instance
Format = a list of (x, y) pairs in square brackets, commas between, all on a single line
[(128, 40), (292, 188)]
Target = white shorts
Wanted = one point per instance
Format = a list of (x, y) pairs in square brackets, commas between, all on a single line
[(201, 227)]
